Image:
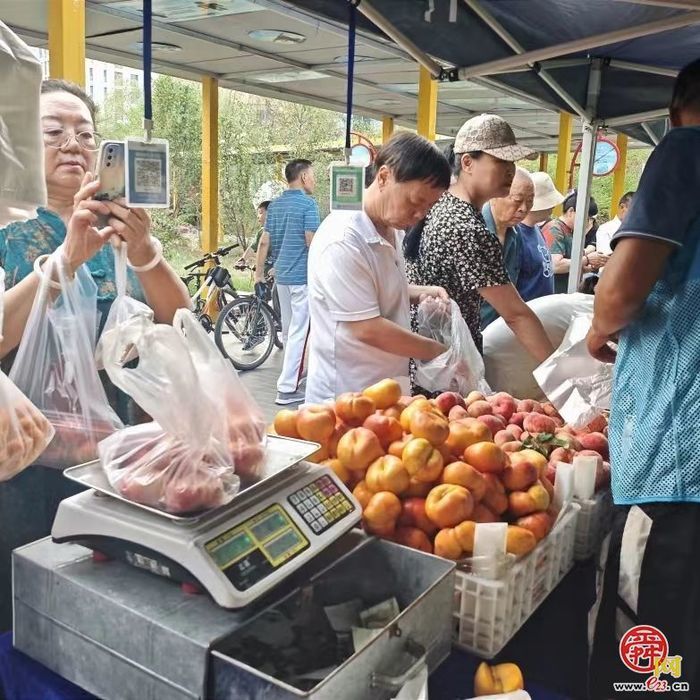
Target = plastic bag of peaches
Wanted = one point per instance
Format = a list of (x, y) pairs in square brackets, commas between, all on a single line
[(461, 367), (208, 434)]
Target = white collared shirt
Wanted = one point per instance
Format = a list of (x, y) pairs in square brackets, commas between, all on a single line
[(604, 235), (354, 275)]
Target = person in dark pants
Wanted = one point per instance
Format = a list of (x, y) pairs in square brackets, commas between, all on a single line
[(646, 621)]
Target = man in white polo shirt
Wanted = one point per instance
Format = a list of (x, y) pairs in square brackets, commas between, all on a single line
[(359, 297)]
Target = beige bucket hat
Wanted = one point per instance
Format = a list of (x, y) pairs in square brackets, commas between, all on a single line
[(491, 134), (547, 195)]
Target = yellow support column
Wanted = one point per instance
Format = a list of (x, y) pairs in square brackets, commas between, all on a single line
[(544, 162), (427, 104), (387, 128), (563, 152), (619, 177), (67, 40), (210, 164)]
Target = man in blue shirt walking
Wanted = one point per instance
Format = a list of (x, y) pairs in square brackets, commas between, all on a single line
[(292, 220), (648, 300)]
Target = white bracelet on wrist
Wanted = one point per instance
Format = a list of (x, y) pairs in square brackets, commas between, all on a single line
[(41, 260), (153, 263)]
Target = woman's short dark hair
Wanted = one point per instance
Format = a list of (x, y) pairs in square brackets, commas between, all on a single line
[(686, 89), (264, 205), (55, 85), (455, 159), (412, 157), (570, 203)]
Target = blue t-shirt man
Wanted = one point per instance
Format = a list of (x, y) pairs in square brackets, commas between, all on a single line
[(656, 394), (536, 278), (289, 217)]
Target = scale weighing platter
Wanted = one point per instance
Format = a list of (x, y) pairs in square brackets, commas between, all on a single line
[(281, 454)]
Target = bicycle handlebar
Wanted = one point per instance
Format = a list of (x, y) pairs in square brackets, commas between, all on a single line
[(212, 256)]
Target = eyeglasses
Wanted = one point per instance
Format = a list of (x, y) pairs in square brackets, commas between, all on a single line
[(58, 138)]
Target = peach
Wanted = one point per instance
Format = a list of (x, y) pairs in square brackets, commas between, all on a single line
[(464, 532), (418, 489), (597, 425), (549, 485), (433, 428), (497, 680), (340, 471), (396, 447), (512, 446), (353, 408), (482, 514), (448, 505), (321, 454), (532, 456), (413, 515), (414, 538), (536, 423), (382, 512), (534, 499), (561, 454), (285, 423), (316, 423), (597, 442), (517, 419), (387, 429), (519, 541), (362, 493), (528, 406), (504, 436), (387, 474), (519, 476), (448, 400), (551, 472), (464, 433), (457, 413), (421, 460), (486, 457), (474, 396), (493, 423), (420, 404), (394, 411), (549, 409), (479, 408), (503, 405), (539, 524), (446, 545), (340, 430), (495, 498), (572, 442), (358, 448), (515, 430), (464, 474), (384, 394)]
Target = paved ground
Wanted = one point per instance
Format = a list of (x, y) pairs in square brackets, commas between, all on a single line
[(262, 383)]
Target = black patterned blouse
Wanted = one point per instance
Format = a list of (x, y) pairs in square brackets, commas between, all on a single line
[(457, 252)]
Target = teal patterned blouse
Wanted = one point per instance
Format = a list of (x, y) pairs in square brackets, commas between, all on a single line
[(22, 242)]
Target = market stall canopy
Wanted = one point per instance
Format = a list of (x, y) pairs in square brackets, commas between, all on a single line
[(545, 50), (297, 51)]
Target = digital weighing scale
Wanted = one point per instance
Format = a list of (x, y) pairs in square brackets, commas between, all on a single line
[(237, 552)]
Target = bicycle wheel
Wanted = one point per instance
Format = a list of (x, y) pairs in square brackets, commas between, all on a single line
[(244, 332), (277, 315)]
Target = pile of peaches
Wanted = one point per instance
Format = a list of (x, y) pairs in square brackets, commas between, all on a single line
[(426, 471)]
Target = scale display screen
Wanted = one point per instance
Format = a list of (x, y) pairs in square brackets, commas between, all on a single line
[(252, 550)]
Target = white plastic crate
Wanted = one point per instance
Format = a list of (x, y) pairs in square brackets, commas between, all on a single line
[(488, 613), (594, 523)]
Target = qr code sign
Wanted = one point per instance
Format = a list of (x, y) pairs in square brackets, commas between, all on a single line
[(346, 186), (148, 176)]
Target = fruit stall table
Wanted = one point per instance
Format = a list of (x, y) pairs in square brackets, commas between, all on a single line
[(550, 649)]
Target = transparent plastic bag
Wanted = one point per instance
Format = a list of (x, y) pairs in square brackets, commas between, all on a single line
[(55, 365), (207, 432), (577, 384), (461, 367)]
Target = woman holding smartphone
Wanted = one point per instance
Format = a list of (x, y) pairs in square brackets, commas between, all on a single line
[(28, 502)]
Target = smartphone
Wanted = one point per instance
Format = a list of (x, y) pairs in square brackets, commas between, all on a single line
[(111, 174)]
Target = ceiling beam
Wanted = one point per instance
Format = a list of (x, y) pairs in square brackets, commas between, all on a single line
[(673, 4), (638, 118), (647, 130), (643, 68), (583, 44), (512, 43)]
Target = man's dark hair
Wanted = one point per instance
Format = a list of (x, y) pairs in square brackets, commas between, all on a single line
[(411, 157), (686, 89), (264, 205), (626, 199), (295, 168), (570, 203), (54, 85)]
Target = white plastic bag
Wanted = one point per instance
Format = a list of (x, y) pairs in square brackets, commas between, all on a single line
[(461, 367), (576, 383), (55, 365), (22, 182), (207, 431), (509, 366)]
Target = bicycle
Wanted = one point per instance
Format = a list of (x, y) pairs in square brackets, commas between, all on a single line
[(213, 286), (249, 327)]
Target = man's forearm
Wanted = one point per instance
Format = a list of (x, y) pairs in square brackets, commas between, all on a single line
[(388, 336), (531, 333), (561, 266), (260, 258)]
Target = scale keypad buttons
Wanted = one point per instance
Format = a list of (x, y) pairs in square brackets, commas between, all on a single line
[(321, 504)]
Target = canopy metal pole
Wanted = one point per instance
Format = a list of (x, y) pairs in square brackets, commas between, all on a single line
[(637, 118), (647, 130)]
